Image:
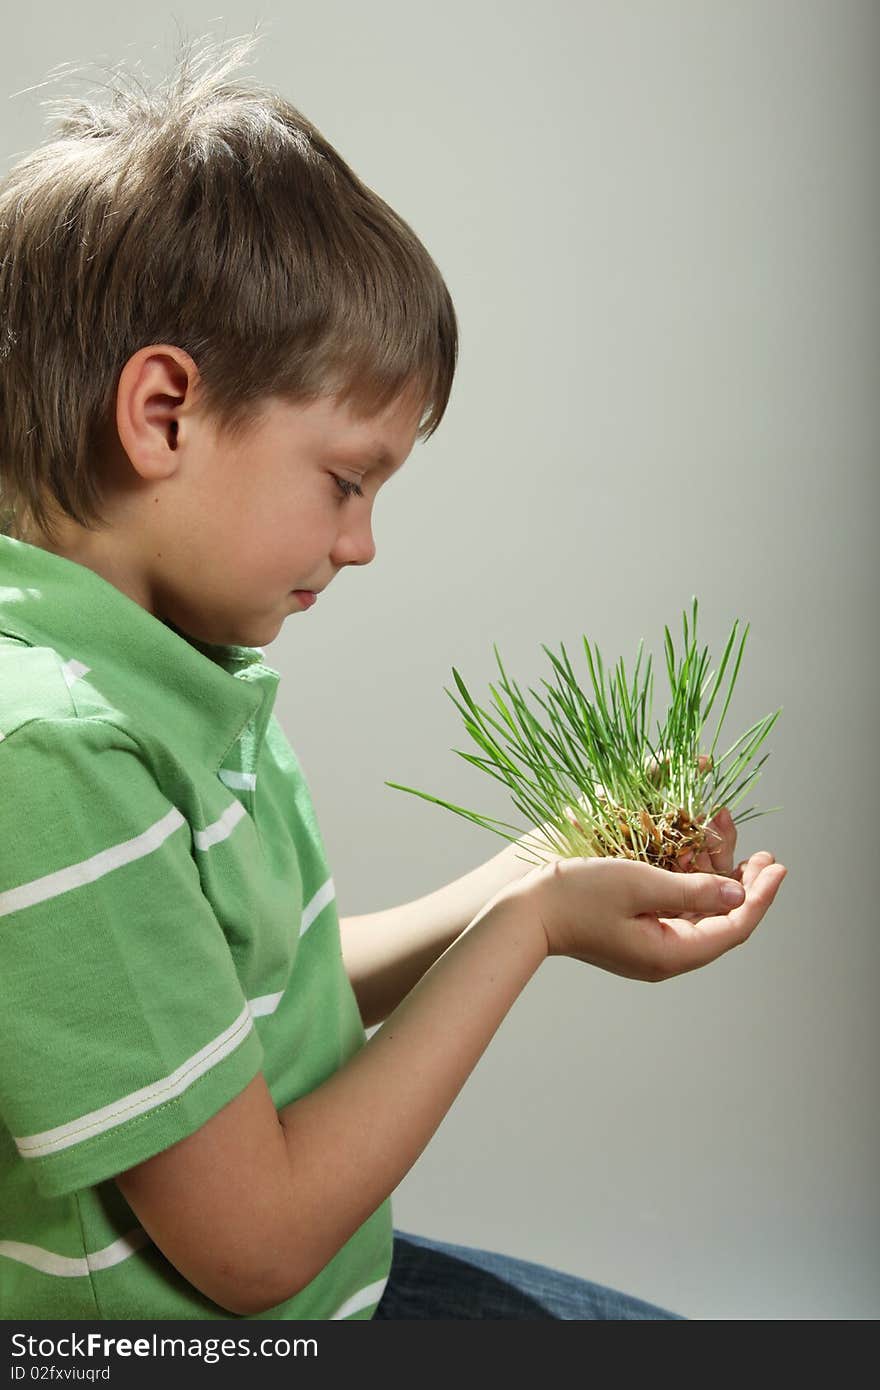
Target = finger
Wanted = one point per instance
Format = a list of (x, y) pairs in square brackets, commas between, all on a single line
[(687, 945), (718, 854), (653, 767), (721, 842), (703, 863), (760, 893), (749, 869), (662, 890), (706, 860)]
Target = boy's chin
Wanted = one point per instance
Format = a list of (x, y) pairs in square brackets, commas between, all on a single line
[(236, 632)]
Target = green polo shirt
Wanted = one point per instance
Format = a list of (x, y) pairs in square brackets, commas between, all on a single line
[(168, 929)]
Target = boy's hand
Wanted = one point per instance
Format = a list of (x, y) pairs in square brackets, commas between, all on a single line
[(607, 912)]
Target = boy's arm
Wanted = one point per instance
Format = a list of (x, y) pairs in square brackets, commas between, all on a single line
[(386, 953), (251, 1206)]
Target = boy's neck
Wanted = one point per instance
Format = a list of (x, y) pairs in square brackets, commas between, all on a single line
[(102, 551)]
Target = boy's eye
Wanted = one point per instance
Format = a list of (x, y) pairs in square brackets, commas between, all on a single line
[(348, 489)]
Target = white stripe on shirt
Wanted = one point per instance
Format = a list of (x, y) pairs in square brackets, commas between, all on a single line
[(88, 870), (68, 1267), (265, 1004), (362, 1299), (219, 829), (325, 894), (72, 671), (138, 1102), (239, 781), (80, 1267)]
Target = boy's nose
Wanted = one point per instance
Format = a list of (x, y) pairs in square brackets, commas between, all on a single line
[(355, 545)]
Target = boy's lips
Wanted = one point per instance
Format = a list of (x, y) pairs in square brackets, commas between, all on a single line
[(306, 596)]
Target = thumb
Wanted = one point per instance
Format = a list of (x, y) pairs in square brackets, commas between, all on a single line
[(661, 890)]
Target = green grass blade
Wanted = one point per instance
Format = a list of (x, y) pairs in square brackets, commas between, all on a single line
[(730, 688), (487, 822)]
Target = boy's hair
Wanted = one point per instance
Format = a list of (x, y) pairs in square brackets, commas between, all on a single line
[(213, 215)]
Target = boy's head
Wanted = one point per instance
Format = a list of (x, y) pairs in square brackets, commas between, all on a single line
[(207, 323)]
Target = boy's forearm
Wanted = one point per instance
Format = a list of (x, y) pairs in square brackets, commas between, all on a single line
[(387, 952), (354, 1138)]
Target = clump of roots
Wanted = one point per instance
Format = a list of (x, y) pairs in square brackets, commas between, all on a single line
[(622, 833), (661, 841), (659, 831)]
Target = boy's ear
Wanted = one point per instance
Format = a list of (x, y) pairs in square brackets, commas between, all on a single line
[(156, 407)]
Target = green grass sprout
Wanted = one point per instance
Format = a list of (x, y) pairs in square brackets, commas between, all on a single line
[(585, 773)]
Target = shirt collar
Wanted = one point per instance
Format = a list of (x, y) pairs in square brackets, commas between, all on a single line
[(204, 693)]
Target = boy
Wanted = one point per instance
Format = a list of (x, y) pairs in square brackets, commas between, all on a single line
[(216, 347)]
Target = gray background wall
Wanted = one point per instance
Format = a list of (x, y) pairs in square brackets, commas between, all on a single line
[(659, 224)]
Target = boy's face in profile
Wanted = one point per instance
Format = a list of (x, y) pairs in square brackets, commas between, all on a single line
[(217, 536)]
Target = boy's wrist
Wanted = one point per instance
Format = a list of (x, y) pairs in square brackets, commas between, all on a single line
[(542, 891), (524, 899)]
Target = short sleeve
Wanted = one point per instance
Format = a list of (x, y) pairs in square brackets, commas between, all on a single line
[(123, 1024)]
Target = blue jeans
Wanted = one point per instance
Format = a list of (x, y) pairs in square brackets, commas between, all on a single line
[(430, 1279)]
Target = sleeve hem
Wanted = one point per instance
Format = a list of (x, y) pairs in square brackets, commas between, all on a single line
[(101, 1158)]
